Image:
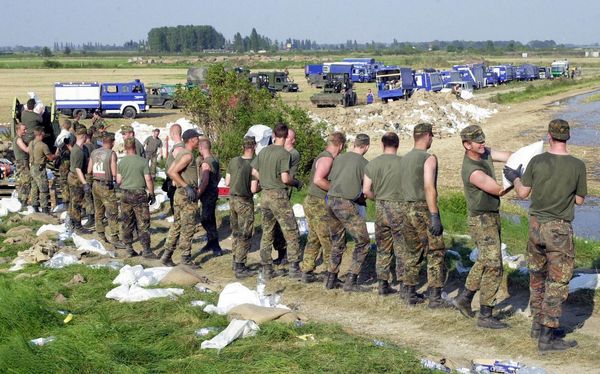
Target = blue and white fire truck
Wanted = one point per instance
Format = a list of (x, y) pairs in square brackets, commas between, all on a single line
[(394, 82)]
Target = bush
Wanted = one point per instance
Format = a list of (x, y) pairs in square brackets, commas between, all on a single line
[(52, 64)]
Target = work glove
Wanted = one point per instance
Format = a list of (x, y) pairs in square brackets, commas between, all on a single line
[(191, 194), (512, 174), (87, 188), (435, 224), (298, 184), (151, 199)]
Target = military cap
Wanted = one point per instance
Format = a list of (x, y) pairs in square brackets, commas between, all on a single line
[(81, 130), (108, 136), (126, 129), (189, 134), (249, 141), (423, 128), (559, 129), (129, 143), (156, 130), (362, 140), (472, 133)]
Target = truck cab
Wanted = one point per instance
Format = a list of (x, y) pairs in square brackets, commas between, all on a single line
[(273, 81), (127, 99), (161, 95)]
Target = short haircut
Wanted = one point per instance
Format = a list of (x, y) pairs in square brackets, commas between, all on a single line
[(205, 143), (281, 130), (390, 140), (176, 129), (19, 125), (66, 124), (30, 104), (336, 138), (362, 140), (38, 131)]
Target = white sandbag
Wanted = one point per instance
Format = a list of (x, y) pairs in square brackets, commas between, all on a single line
[(11, 204), (3, 211), (585, 282), (49, 227), (29, 210), (130, 275), (60, 139), (91, 245), (235, 294), (18, 264), (135, 293), (466, 94), (60, 208), (236, 329), (262, 134), (160, 198), (522, 157), (298, 211), (60, 260)]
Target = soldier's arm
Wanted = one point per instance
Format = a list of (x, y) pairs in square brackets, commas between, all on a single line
[(149, 183), (322, 170), (22, 145), (227, 179), (486, 183), (500, 156), (80, 175), (254, 183), (113, 164), (521, 190), (90, 167), (430, 183), (286, 179), (50, 156), (176, 168), (205, 172), (367, 188), (579, 199)]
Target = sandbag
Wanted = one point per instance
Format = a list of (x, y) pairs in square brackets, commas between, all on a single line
[(256, 313), (522, 157), (182, 276)]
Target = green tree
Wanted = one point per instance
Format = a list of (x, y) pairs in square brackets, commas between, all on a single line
[(67, 50), (46, 52)]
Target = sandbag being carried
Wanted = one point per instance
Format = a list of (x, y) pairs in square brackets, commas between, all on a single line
[(522, 157)]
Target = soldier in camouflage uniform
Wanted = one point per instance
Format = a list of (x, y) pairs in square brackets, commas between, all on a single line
[(210, 176), (103, 168), (184, 174), (22, 174), (40, 154), (76, 180), (99, 128), (64, 156), (175, 133), (343, 201), (270, 171), (88, 148), (133, 177), (318, 242), (241, 203), (422, 229), (153, 148), (482, 193), (128, 133), (556, 182), (382, 181)]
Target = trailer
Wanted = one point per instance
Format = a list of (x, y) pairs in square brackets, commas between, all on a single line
[(428, 81), (394, 82)]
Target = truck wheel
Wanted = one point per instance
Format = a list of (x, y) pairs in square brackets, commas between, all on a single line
[(82, 112), (286, 89), (169, 104), (129, 112)]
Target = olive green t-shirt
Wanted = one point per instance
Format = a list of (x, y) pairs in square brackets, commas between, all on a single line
[(170, 157), (294, 162), (20, 155), (77, 159), (413, 183), (270, 163), (100, 159), (313, 189), (240, 174), (386, 174), (152, 145), (40, 151), (479, 201), (31, 120), (346, 176), (554, 181), (133, 168), (190, 173), (215, 174)]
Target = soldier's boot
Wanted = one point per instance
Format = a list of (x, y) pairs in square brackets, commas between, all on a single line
[(351, 284), (242, 271), (46, 210), (167, 259), (463, 303), (549, 342), (268, 272), (309, 277), (102, 237), (148, 254), (536, 327), (294, 270), (332, 280), (435, 299), (114, 240), (401, 290), (91, 222), (187, 260), (384, 288), (129, 252), (412, 297), (487, 320), (36, 209), (80, 230)]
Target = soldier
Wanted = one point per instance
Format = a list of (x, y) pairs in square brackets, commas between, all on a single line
[(40, 154), (209, 194), (343, 201), (88, 148), (22, 174), (64, 156), (184, 173), (97, 120), (315, 208), (31, 119), (128, 133), (422, 228), (76, 180), (133, 177), (382, 181), (238, 178), (175, 134), (103, 168), (76, 124), (271, 172), (153, 148), (556, 181), (482, 193), (98, 136)]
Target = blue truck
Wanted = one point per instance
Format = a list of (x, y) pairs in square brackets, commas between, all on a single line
[(314, 75), (527, 72), (371, 65), (126, 99), (505, 73), (450, 76), (394, 83), (357, 72), (473, 73), (428, 81)]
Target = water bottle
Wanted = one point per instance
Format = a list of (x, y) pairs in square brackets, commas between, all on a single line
[(261, 286), (42, 341)]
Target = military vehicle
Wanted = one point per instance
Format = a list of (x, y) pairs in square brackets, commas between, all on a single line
[(274, 80), (337, 90), (161, 95)]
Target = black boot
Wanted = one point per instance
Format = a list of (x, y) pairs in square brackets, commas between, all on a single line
[(166, 258), (187, 260), (351, 284), (309, 277), (80, 230), (268, 272), (487, 320), (116, 242), (385, 289), (412, 297), (463, 303), (332, 280), (91, 222), (401, 290), (148, 254), (294, 270), (36, 209), (129, 252), (435, 298), (549, 342), (241, 271), (46, 210), (536, 327)]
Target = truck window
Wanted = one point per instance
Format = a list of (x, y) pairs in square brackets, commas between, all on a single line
[(112, 88), (136, 89), (124, 89)]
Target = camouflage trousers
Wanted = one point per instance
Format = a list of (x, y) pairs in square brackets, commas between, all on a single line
[(242, 225), (486, 273), (388, 223), (23, 181), (76, 198), (105, 203), (421, 245), (318, 242), (184, 224), (40, 191), (344, 216), (152, 160), (134, 208), (551, 257), (63, 173), (89, 197), (276, 208), (208, 217)]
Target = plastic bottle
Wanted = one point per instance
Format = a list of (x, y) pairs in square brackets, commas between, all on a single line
[(42, 341), (261, 286)]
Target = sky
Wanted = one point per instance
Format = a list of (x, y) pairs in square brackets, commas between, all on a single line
[(325, 21)]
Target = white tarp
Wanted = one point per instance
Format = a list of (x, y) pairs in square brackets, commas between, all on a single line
[(522, 157), (236, 329), (91, 245), (160, 198), (49, 227), (262, 134), (584, 281), (60, 139), (60, 260)]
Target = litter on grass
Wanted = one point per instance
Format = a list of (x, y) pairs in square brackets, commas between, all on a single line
[(42, 341), (235, 294), (90, 245), (60, 260), (133, 279), (236, 329), (199, 303), (206, 331), (130, 275)]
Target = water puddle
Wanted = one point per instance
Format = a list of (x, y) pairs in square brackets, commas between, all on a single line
[(584, 118)]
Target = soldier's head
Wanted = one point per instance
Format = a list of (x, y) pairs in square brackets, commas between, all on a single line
[(361, 143), (155, 133), (81, 134), (559, 131), (249, 144), (280, 131), (423, 134), (191, 138), (473, 139), (336, 141), (175, 131), (204, 145), (21, 129), (129, 145), (290, 139), (108, 140), (127, 132), (390, 140), (30, 104), (97, 114), (77, 116), (38, 132), (90, 134), (66, 125)]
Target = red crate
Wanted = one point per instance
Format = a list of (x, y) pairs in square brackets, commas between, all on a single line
[(223, 191)]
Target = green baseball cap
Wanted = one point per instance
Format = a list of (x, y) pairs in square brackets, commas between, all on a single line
[(472, 133), (126, 129), (559, 129)]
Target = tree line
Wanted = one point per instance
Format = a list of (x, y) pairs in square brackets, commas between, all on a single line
[(185, 39)]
